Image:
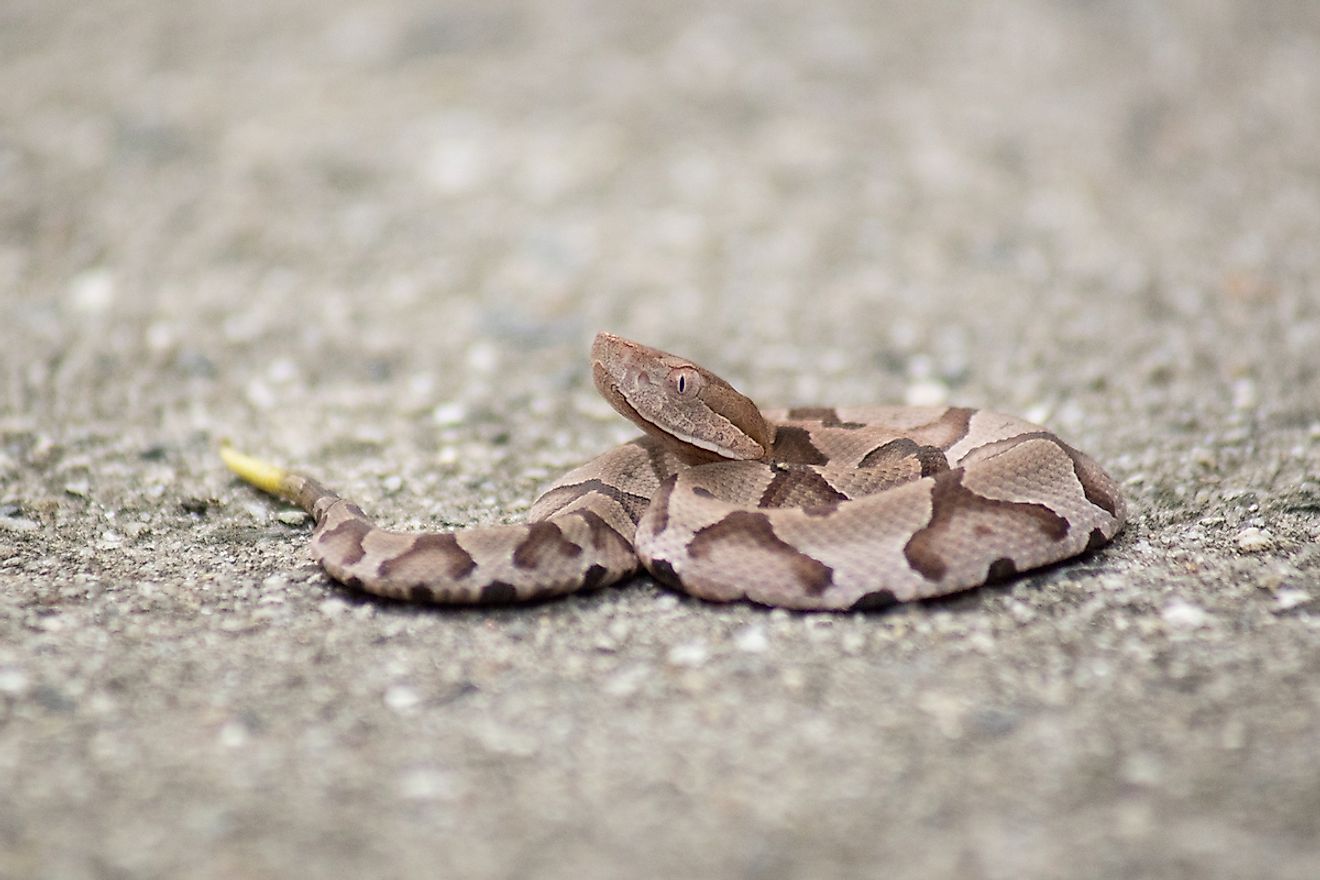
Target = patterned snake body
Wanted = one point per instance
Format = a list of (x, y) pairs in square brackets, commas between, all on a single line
[(809, 508)]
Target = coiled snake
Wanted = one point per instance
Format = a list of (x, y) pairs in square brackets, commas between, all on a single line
[(809, 508)]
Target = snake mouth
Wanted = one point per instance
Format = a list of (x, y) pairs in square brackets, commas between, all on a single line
[(626, 409)]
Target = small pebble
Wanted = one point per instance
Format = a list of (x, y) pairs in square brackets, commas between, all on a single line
[(194, 505), (1021, 611), (751, 639), (627, 682), (402, 699), (52, 624), (1038, 413), (282, 370), (161, 336), (691, 654), (260, 395), (18, 524), (1254, 540), (233, 735), (1244, 394), (448, 414), (1180, 614), (1289, 598), (92, 292), (793, 679), (333, 607), (425, 784), (483, 357), (500, 740), (13, 682), (273, 583), (926, 392), (852, 642)]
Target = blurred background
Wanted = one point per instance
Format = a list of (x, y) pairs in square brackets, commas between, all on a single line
[(860, 186), (375, 239)]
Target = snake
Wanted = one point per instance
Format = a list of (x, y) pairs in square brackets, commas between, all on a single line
[(810, 508)]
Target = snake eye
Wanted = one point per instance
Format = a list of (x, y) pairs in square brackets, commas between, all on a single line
[(684, 381)]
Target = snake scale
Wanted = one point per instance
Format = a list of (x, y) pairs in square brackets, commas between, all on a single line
[(808, 508)]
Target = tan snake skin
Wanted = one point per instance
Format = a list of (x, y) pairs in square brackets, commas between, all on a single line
[(808, 508)]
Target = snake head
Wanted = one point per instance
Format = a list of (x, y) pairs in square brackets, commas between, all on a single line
[(695, 412)]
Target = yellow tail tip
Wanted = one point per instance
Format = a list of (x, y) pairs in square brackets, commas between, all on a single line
[(266, 477)]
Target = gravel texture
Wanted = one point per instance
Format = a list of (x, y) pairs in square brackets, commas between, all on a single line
[(374, 240)]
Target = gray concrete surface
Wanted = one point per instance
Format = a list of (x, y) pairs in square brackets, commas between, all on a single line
[(374, 240)]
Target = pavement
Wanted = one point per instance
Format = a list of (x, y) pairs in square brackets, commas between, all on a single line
[(374, 241)]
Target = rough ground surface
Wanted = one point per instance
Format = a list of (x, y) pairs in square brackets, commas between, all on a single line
[(373, 240)]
